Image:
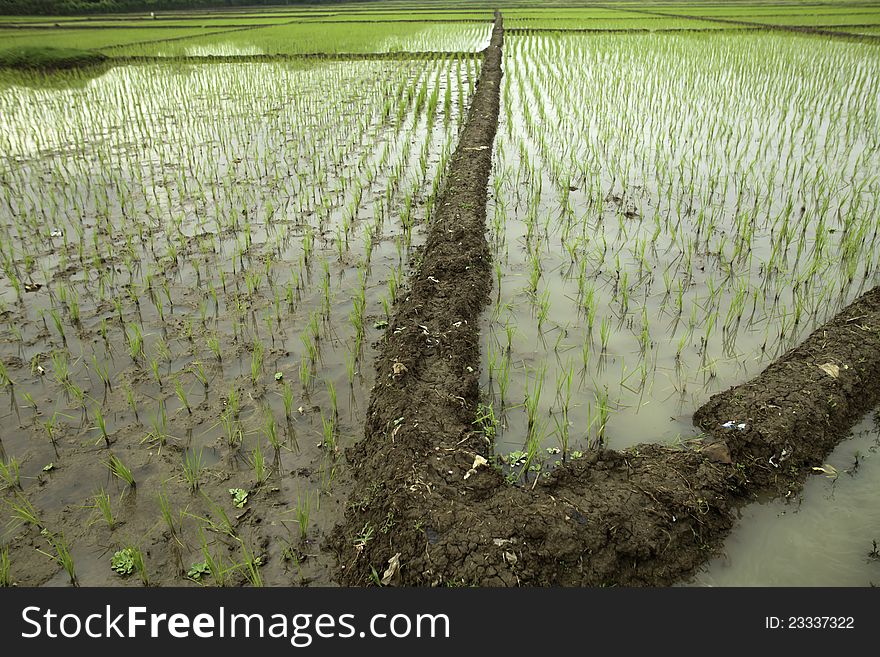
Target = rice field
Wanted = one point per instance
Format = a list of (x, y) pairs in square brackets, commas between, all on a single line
[(663, 233), (201, 258), (195, 293)]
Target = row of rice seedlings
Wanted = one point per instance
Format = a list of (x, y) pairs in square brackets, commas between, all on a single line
[(321, 37), (675, 249), (204, 273)]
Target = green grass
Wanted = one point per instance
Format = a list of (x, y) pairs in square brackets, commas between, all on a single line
[(46, 58), (323, 38), (96, 39)]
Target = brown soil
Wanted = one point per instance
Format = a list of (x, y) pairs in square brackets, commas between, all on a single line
[(645, 516)]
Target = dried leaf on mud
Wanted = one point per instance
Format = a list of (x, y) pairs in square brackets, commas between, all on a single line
[(478, 462), (392, 570)]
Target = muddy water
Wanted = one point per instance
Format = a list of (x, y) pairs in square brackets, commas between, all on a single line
[(203, 263), (617, 195), (823, 537)]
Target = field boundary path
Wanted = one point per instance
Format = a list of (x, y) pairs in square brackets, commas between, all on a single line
[(797, 29), (430, 508)]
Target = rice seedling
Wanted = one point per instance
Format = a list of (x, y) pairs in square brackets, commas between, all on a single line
[(5, 568), (23, 512), (182, 395), (101, 503), (287, 398), (271, 430), (119, 470), (198, 371), (533, 398), (251, 565), (258, 463), (220, 522), (303, 513), (328, 430), (103, 372), (257, 361), (174, 526), (101, 425), (135, 342), (212, 565), (62, 556), (10, 474), (192, 468), (158, 435), (214, 346)]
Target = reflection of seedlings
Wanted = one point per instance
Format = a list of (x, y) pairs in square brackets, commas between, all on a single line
[(874, 553), (350, 369), (328, 473), (331, 391), (257, 361), (503, 377), (857, 459)]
